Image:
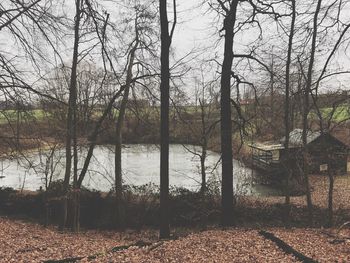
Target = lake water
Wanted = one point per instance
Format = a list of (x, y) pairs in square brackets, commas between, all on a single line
[(140, 166)]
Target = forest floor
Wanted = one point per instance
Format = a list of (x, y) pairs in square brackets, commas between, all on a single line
[(23, 241), (28, 242)]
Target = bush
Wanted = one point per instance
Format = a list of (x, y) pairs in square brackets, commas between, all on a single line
[(97, 210), (6, 193)]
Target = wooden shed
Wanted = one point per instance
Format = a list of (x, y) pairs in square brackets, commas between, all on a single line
[(324, 152)]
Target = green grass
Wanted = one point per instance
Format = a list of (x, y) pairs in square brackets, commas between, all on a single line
[(340, 114), (11, 115)]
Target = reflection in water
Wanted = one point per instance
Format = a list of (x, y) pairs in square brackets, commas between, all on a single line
[(140, 166)]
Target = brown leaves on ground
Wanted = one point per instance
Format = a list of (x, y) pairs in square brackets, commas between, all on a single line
[(322, 245), (234, 245), (27, 242), (320, 186)]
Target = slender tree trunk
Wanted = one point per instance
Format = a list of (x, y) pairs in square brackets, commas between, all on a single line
[(94, 135), (203, 172), (204, 143), (287, 110), (18, 114), (120, 222), (330, 196), (118, 162), (75, 194), (306, 110), (70, 116), (227, 201), (272, 94), (164, 122)]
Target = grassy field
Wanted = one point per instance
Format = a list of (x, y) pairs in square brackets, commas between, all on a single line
[(39, 114), (12, 115), (340, 114)]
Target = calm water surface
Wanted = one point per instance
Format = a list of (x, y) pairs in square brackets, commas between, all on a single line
[(140, 166)]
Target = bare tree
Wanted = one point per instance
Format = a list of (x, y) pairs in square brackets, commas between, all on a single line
[(230, 13), (118, 131), (164, 116), (71, 121), (319, 32), (201, 122), (141, 73), (287, 104), (18, 20)]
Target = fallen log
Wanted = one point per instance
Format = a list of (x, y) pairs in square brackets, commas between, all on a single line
[(65, 260), (138, 244), (25, 250), (154, 246), (336, 238), (286, 248)]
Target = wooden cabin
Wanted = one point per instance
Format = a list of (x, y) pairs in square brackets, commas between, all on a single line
[(267, 157), (324, 152)]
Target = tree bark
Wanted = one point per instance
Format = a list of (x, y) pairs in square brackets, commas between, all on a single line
[(287, 109), (75, 194), (330, 196), (164, 122), (118, 144), (70, 115), (307, 93), (203, 172), (227, 201), (204, 143)]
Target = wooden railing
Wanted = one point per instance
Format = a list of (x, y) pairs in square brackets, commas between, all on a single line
[(265, 162)]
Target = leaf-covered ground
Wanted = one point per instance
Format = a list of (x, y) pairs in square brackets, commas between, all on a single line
[(28, 242), (211, 246)]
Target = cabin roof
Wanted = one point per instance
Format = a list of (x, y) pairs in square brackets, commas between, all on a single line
[(267, 147), (295, 141), (296, 137)]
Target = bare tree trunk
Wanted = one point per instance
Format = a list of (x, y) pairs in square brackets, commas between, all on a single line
[(70, 114), (94, 135), (118, 162), (76, 209), (118, 144), (164, 118), (18, 115), (272, 94), (203, 172), (287, 110), (306, 180), (204, 143), (227, 201), (307, 93), (330, 196), (75, 194)]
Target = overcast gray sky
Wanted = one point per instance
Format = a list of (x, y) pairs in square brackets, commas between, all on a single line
[(195, 30)]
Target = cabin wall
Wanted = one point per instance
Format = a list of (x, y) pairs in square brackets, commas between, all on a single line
[(328, 152)]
